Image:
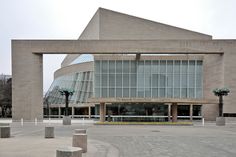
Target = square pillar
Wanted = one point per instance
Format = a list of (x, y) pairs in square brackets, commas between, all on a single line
[(169, 112), (191, 112), (27, 82), (174, 112), (102, 112), (72, 112), (89, 112), (59, 112)]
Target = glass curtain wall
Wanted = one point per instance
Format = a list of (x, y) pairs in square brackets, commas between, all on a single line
[(148, 78), (81, 83)]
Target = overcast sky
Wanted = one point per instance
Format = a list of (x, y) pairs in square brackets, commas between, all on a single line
[(66, 19)]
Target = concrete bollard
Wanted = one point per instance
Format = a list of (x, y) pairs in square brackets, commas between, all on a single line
[(69, 152), (4, 124), (80, 140), (49, 132), (80, 131), (220, 121), (5, 131), (66, 120)]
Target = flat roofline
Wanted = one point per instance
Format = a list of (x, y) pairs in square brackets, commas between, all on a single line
[(121, 46)]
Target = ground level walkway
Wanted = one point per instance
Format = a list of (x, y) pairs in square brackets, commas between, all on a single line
[(124, 141)]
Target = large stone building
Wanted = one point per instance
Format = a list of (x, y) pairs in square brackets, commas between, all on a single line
[(129, 69)]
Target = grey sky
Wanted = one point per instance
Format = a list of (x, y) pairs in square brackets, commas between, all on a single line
[(66, 19)]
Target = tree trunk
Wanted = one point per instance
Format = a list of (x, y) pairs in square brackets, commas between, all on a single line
[(221, 106), (66, 109)]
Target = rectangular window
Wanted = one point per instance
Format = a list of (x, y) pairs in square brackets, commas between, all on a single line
[(133, 67), (140, 68), (118, 67), (147, 92), (169, 80), (104, 66), (104, 92), (162, 92), (154, 92), (133, 92), (111, 80), (162, 80), (155, 65), (97, 67), (119, 92), (112, 67), (133, 80), (184, 68), (162, 66), (104, 80), (170, 66), (141, 92), (118, 80), (154, 80), (177, 67), (191, 67), (176, 92), (125, 80), (97, 80), (147, 67), (126, 92), (126, 67)]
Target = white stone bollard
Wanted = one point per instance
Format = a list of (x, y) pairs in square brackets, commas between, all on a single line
[(80, 140), (80, 131), (5, 131), (49, 132), (35, 121), (22, 122), (69, 152), (203, 121)]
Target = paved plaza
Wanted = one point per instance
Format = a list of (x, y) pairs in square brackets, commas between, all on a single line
[(124, 141)]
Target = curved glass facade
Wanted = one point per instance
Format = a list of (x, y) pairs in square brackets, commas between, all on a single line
[(83, 58), (81, 83), (148, 78)]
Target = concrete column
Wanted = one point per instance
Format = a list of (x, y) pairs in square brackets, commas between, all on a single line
[(59, 112), (89, 112), (174, 112), (27, 82), (169, 112), (191, 112), (72, 112), (102, 112)]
